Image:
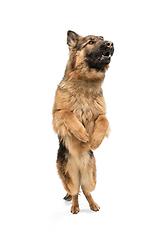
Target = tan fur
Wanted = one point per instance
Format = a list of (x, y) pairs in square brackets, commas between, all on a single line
[(79, 119)]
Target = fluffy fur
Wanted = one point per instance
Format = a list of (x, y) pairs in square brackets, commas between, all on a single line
[(79, 115)]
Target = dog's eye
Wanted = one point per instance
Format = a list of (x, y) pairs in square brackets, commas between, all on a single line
[(91, 42)]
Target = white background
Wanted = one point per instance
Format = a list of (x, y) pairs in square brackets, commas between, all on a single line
[(33, 56)]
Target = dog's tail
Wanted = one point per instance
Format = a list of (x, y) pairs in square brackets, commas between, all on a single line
[(68, 197)]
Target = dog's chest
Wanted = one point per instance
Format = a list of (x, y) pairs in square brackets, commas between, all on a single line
[(85, 112)]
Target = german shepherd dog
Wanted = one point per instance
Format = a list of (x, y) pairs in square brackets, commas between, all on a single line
[(79, 115)]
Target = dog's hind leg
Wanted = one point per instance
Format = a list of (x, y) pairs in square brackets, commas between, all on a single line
[(75, 204), (92, 204), (69, 175), (88, 181)]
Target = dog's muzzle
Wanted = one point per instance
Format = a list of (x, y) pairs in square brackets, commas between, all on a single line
[(107, 49), (100, 56)]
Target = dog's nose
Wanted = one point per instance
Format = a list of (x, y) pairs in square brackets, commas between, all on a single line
[(106, 45), (109, 44)]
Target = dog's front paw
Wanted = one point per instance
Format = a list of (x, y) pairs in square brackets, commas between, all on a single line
[(81, 134), (94, 144)]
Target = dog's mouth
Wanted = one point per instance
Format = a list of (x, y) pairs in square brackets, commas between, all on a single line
[(107, 54), (100, 57), (99, 60), (104, 56)]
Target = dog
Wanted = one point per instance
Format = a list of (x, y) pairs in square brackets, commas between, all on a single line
[(79, 115)]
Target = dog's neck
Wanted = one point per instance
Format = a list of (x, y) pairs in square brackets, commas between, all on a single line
[(88, 75), (81, 85)]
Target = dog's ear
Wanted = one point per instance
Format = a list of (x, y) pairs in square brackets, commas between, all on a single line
[(72, 38)]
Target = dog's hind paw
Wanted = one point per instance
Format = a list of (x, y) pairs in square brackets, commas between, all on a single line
[(94, 207), (75, 209)]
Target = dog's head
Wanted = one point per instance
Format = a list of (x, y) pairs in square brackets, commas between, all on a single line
[(90, 53)]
